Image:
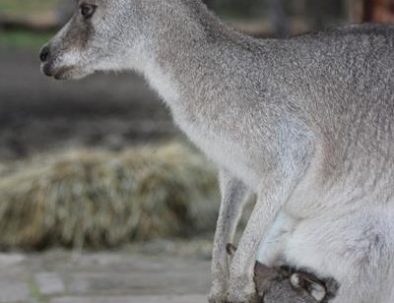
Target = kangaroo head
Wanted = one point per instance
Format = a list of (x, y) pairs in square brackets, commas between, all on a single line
[(101, 35)]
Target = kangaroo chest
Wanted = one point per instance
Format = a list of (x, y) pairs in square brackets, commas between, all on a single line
[(222, 150)]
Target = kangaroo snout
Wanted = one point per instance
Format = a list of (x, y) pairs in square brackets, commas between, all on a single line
[(44, 54), (46, 67), (53, 64)]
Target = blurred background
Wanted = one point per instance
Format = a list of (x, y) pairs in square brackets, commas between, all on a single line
[(97, 164), (103, 151)]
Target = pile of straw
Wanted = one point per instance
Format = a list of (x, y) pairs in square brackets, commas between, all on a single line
[(96, 199)]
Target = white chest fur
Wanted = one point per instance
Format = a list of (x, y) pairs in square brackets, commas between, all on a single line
[(222, 151)]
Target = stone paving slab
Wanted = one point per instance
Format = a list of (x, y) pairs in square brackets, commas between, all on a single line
[(134, 299), (7, 260), (161, 282), (50, 283), (14, 291)]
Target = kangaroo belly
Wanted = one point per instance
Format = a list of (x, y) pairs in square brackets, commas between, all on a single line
[(357, 249)]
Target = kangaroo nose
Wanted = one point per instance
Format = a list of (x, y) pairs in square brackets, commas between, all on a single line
[(44, 55)]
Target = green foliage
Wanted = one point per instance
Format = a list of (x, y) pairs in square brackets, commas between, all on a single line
[(100, 199), (26, 6), (23, 39)]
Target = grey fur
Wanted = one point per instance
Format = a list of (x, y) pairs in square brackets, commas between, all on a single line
[(306, 123)]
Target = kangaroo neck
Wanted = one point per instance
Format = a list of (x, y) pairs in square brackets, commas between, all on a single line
[(182, 50)]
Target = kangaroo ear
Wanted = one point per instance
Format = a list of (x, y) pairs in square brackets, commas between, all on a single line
[(231, 249), (309, 284), (261, 270)]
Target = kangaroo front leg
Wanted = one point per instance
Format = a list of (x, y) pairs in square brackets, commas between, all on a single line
[(269, 202), (234, 194)]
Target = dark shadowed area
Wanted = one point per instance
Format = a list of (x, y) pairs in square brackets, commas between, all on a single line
[(38, 114)]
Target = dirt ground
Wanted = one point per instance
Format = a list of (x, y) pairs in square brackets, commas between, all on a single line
[(39, 114)]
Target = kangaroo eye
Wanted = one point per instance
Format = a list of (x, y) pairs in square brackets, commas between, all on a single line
[(87, 10)]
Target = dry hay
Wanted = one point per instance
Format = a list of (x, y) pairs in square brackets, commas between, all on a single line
[(104, 199)]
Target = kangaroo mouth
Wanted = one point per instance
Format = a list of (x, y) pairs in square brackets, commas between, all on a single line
[(60, 73)]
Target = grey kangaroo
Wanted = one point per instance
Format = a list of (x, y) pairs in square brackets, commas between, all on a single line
[(306, 123)]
